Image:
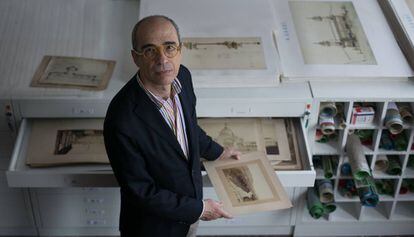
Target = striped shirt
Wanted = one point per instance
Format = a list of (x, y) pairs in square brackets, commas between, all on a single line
[(172, 112)]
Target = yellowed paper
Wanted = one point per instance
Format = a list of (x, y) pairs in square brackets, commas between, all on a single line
[(55, 142), (247, 185)]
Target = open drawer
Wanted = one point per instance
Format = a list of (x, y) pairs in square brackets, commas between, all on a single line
[(19, 174)]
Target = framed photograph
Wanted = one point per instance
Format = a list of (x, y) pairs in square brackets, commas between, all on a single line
[(55, 142), (247, 185), (73, 72)]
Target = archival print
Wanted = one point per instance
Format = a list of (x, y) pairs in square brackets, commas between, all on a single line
[(243, 134), (247, 185), (275, 139), (295, 163), (330, 33), (223, 53), (73, 72), (55, 142)]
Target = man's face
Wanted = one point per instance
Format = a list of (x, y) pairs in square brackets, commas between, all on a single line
[(161, 70)]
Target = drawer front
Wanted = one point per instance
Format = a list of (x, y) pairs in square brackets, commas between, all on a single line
[(74, 210), (14, 210)]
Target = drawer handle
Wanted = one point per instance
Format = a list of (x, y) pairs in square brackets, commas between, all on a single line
[(96, 222), (95, 200)]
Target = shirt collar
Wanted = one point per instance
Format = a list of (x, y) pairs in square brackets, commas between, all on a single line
[(175, 90)]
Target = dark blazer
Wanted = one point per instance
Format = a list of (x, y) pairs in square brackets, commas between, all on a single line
[(161, 191)]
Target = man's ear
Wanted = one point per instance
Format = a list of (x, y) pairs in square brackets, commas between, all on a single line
[(135, 57)]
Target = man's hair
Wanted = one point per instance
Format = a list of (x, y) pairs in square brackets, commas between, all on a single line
[(134, 31)]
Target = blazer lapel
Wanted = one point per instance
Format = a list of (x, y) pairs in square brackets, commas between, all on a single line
[(148, 113), (189, 123)]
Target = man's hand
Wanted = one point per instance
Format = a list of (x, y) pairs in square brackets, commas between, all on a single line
[(214, 210), (230, 152)]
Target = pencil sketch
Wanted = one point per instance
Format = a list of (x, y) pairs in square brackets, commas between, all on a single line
[(72, 72), (410, 4), (330, 33), (78, 141), (223, 53)]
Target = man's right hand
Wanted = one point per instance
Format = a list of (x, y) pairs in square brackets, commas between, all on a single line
[(214, 210)]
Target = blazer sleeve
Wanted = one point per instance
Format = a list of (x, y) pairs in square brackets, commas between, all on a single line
[(130, 170)]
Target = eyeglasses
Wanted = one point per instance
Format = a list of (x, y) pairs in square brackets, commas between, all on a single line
[(150, 52)]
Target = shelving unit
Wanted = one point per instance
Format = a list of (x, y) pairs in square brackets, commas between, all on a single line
[(394, 210)]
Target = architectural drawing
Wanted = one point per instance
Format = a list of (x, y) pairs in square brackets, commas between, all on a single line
[(223, 53), (78, 141), (71, 72), (330, 33)]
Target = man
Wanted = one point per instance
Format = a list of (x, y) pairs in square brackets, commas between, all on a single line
[(154, 143)]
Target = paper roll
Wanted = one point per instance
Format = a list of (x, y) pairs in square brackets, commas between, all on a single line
[(327, 124), (325, 188), (314, 205), (320, 137), (393, 119), (365, 135), (381, 163), (346, 169), (356, 156), (405, 112), (385, 187), (386, 142), (400, 142), (329, 207), (368, 196), (404, 187), (327, 167), (394, 167), (346, 188), (328, 109)]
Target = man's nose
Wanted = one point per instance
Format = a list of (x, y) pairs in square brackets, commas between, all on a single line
[(161, 57)]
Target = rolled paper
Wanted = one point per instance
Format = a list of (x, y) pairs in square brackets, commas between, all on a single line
[(327, 124), (351, 131), (404, 187), (346, 169), (410, 161), (325, 189), (386, 142), (394, 167), (381, 163), (368, 196), (400, 142), (315, 207), (393, 119), (329, 207), (384, 186), (346, 188), (340, 121), (410, 183), (365, 136), (327, 167), (405, 112), (328, 109), (356, 156), (320, 137)]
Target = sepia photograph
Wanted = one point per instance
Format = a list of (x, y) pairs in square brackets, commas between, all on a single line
[(223, 53), (330, 33), (247, 185), (73, 72), (57, 142)]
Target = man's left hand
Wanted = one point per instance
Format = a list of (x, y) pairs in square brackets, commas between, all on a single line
[(230, 152)]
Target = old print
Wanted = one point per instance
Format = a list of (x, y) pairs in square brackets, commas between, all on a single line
[(330, 33), (78, 141), (72, 72), (223, 53), (247, 185)]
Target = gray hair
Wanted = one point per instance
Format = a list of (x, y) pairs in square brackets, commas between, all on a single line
[(134, 31)]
